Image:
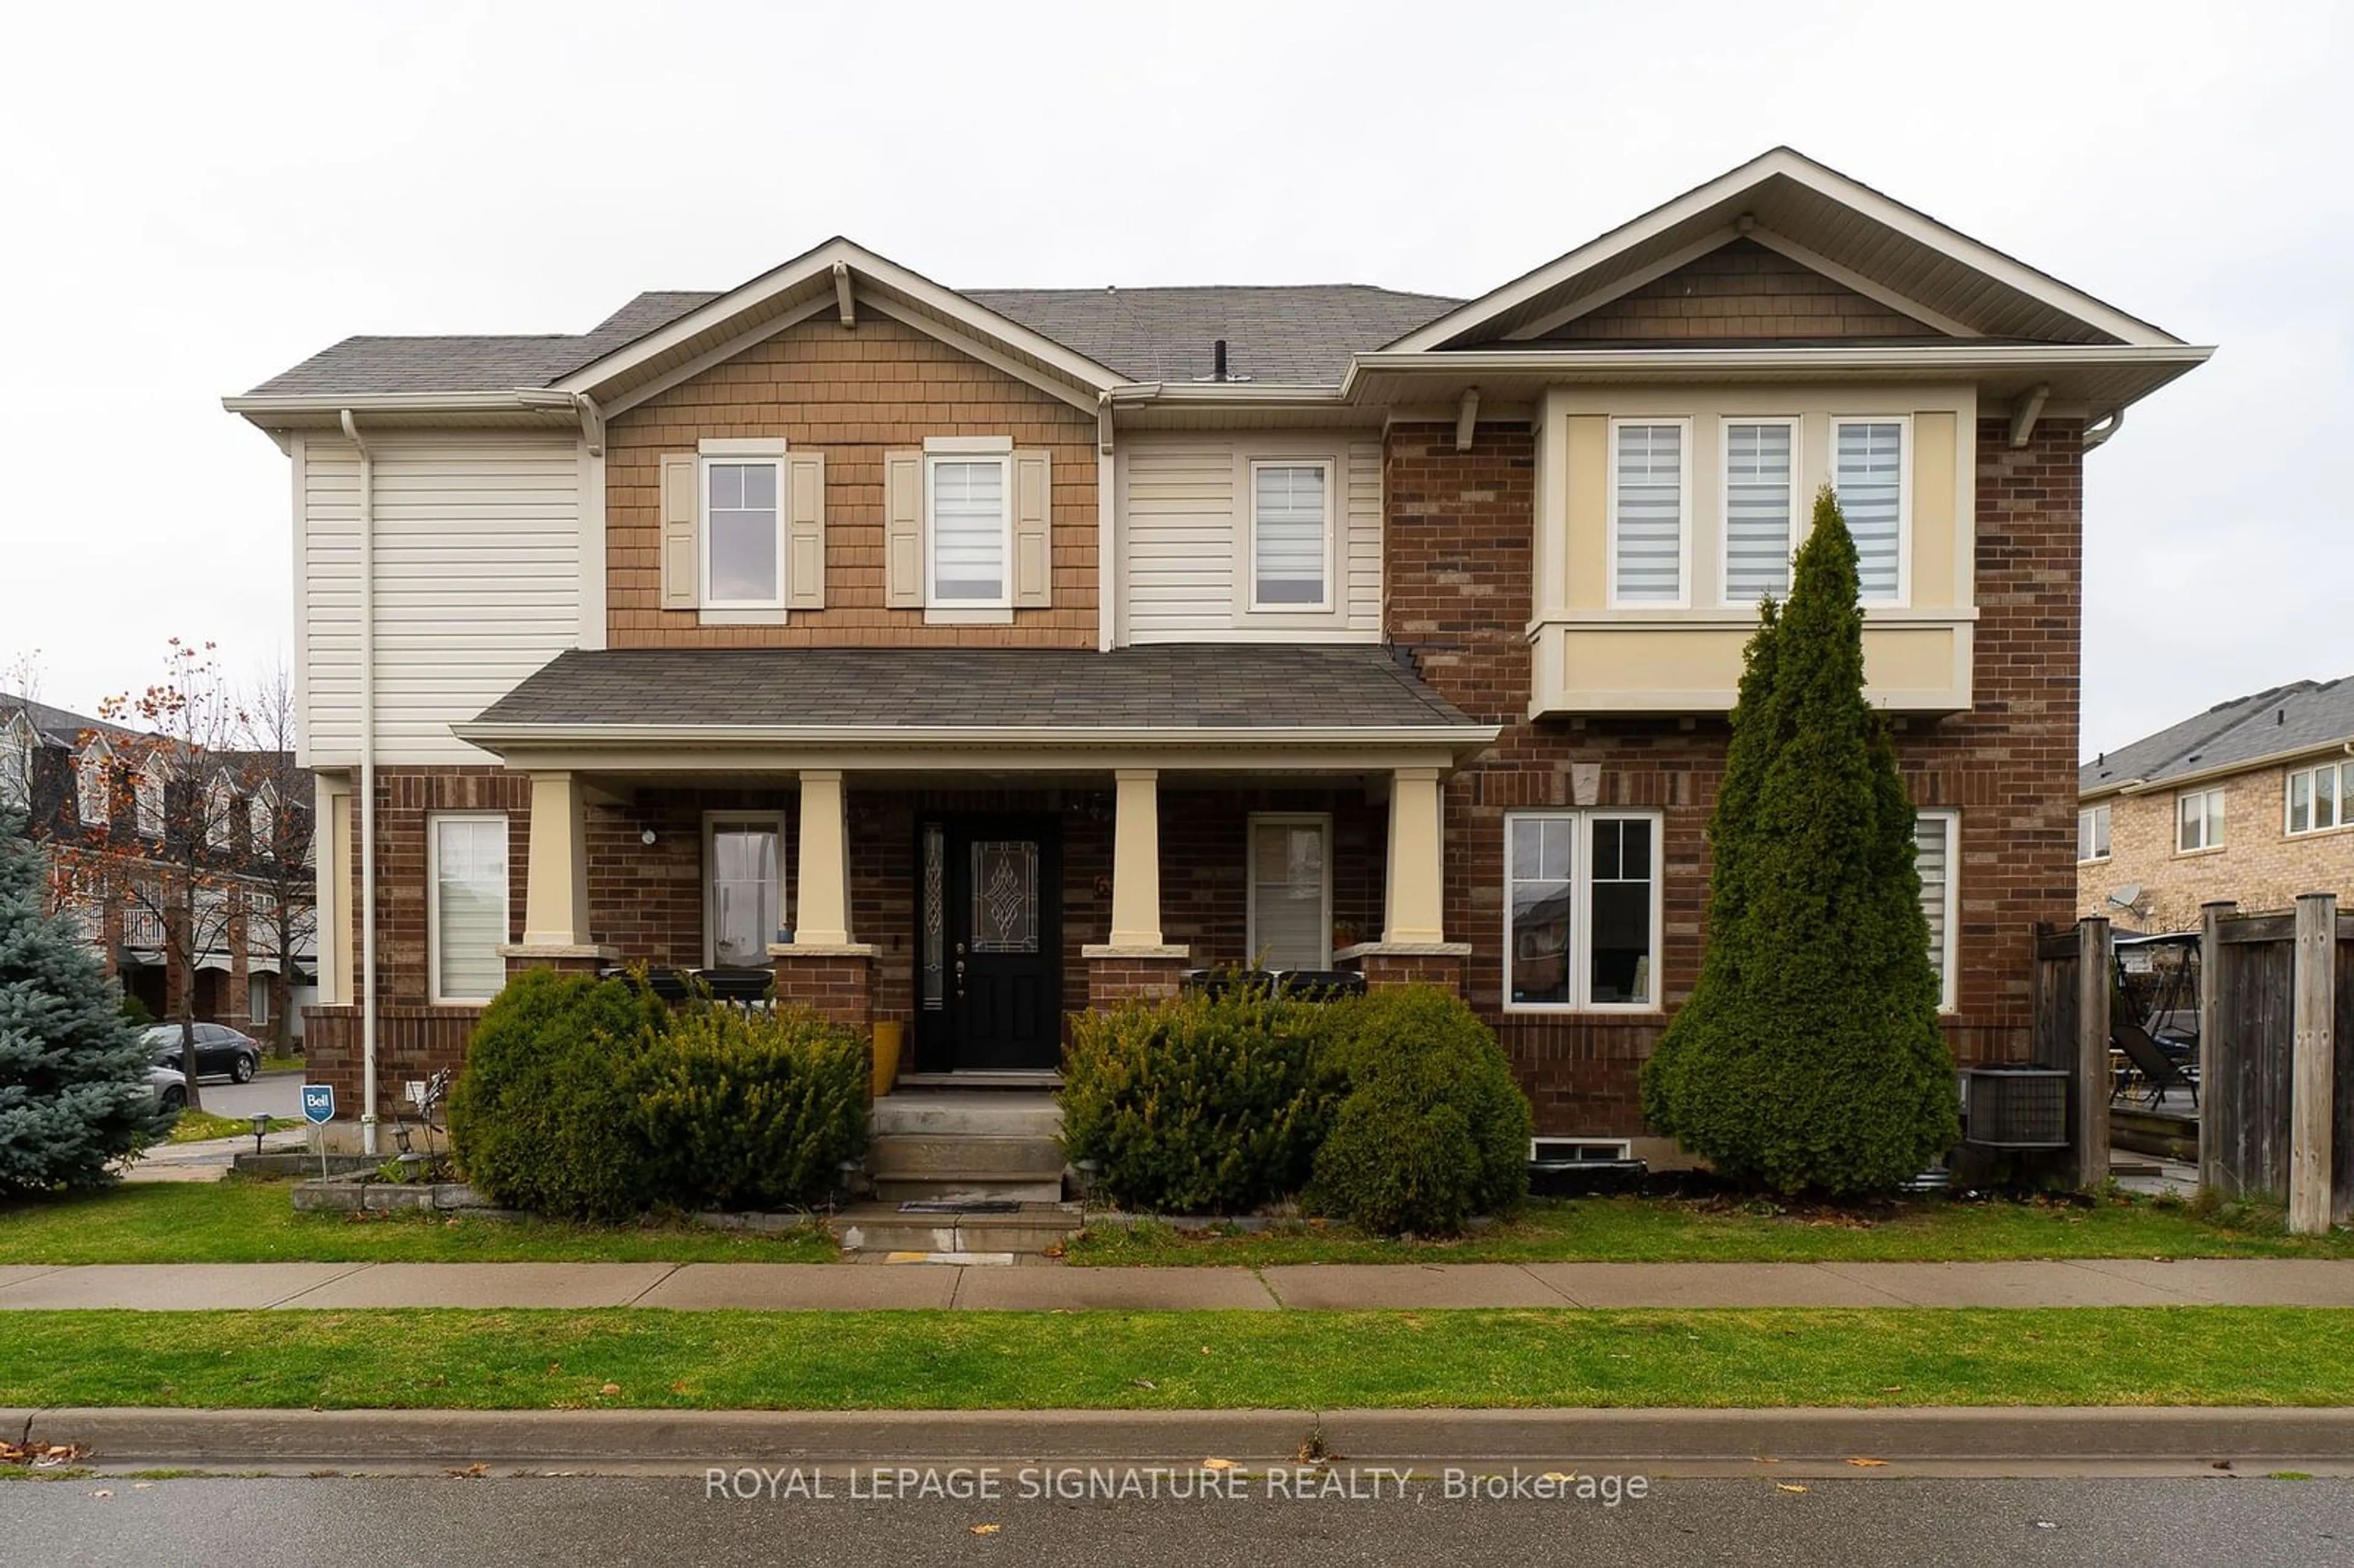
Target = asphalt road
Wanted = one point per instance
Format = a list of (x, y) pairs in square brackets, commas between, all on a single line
[(1852, 1523), (278, 1093)]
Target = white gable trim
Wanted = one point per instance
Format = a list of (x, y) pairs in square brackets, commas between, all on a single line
[(819, 264), (1826, 182)]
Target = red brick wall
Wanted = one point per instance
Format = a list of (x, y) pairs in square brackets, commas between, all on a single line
[(1458, 568)]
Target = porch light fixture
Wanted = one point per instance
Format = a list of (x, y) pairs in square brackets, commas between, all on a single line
[(646, 837)]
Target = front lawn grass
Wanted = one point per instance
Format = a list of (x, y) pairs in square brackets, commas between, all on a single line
[(200, 1127), (255, 1221), (1146, 1361), (1674, 1230)]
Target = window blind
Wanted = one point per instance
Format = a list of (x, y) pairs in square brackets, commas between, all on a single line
[(469, 906), (1757, 504), (1933, 840), (968, 529), (1291, 926), (1870, 463), (1288, 520), (1650, 514)]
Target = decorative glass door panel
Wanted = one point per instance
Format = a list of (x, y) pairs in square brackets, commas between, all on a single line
[(1004, 896)]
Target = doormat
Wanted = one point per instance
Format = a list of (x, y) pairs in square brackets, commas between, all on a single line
[(959, 1206)]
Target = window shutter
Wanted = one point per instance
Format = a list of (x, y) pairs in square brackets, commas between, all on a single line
[(681, 564), (805, 531), (1033, 556), (903, 530)]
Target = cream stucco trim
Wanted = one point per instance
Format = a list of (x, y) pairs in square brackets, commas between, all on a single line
[(1136, 858), (822, 910), (1413, 907), (556, 886), (1151, 950), (1404, 950), (800, 949), (599, 950)]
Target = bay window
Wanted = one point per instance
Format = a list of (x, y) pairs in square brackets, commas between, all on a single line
[(1649, 478), (1760, 503), (1869, 467)]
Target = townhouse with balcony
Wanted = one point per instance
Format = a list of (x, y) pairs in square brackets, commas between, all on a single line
[(109, 804), (970, 658), (2251, 802)]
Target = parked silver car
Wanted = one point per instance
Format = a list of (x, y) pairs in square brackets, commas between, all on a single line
[(170, 1088)]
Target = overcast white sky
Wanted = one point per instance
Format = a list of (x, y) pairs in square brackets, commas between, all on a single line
[(195, 197)]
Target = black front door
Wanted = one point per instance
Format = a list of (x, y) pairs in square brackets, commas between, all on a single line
[(989, 947)]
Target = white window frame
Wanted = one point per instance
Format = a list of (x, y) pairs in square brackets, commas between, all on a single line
[(261, 822), (149, 800), (713, 822), (1580, 958), (1948, 958), (2344, 778), (2103, 841), (1904, 422), (220, 814), (1683, 515), (93, 775), (433, 820), (2205, 845), (984, 449), (1258, 820), (1799, 522), (17, 750), (703, 462), (1332, 470)]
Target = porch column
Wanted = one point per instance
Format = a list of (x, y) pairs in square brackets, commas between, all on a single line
[(556, 887), (1134, 962), (823, 968), (1414, 948), (824, 916)]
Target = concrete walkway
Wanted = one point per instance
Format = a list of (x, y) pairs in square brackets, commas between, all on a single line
[(771, 1287)]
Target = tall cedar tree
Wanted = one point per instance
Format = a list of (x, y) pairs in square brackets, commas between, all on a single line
[(73, 1072), (1809, 1057)]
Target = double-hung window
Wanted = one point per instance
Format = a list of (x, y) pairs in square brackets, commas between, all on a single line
[(2093, 833), (468, 918), (1760, 503), (1870, 467), (967, 499), (147, 803), (1290, 889), (1582, 911), (2318, 797), (743, 533), (2199, 821), (1291, 536), (1651, 477), (744, 894), (1936, 839), (91, 789)]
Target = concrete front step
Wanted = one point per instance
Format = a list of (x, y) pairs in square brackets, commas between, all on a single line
[(900, 1155), (880, 1228), (970, 1189), (945, 1112)]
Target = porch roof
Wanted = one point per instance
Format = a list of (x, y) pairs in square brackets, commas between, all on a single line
[(1176, 695)]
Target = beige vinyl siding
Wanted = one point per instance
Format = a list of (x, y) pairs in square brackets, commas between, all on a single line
[(1184, 533), (477, 584)]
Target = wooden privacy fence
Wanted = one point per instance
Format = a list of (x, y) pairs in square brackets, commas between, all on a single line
[(2071, 1033), (2276, 1058)]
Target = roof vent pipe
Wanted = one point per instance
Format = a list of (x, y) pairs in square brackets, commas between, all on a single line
[(1218, 360)]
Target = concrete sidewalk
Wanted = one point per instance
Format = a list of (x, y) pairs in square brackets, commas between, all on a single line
[(774, 1287)]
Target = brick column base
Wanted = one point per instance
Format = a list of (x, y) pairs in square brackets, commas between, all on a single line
[(1115, 975), (836, 982), (563, 961), (1387, 966)]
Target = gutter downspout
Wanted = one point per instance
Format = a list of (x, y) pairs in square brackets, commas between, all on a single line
[(2100, 431), (367, 785)]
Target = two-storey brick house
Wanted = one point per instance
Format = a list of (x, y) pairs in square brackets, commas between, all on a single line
[(977, 657)]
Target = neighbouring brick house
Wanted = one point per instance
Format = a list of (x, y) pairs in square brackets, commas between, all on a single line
[(972, 657), (2247, 802), (109, 804)]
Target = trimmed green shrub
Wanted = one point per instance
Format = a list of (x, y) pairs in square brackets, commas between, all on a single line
[(752, 1111), (73, 1072), (544, 1116), (1204, 1104), (1433, 1127), (1808, 1056)]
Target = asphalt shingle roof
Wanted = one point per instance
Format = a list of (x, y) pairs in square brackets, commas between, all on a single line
[(1289, 336), (1175, 687), (2301, 715)]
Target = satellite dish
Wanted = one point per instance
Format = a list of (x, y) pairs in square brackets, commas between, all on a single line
[(2126, 898)]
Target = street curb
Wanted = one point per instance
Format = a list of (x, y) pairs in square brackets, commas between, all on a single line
[(689, 1441)]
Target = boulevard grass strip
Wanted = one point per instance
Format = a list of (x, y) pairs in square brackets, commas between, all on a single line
[(202, 1127), (970, 1360), (1668, 1229), (255, 1221)]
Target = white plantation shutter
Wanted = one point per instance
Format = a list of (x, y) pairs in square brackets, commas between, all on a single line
[(1648, 568), (968, 530), (1932, 836), (1291, 925), (470, 907), (1869, 460), (1757, 506), (1289, 508)]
